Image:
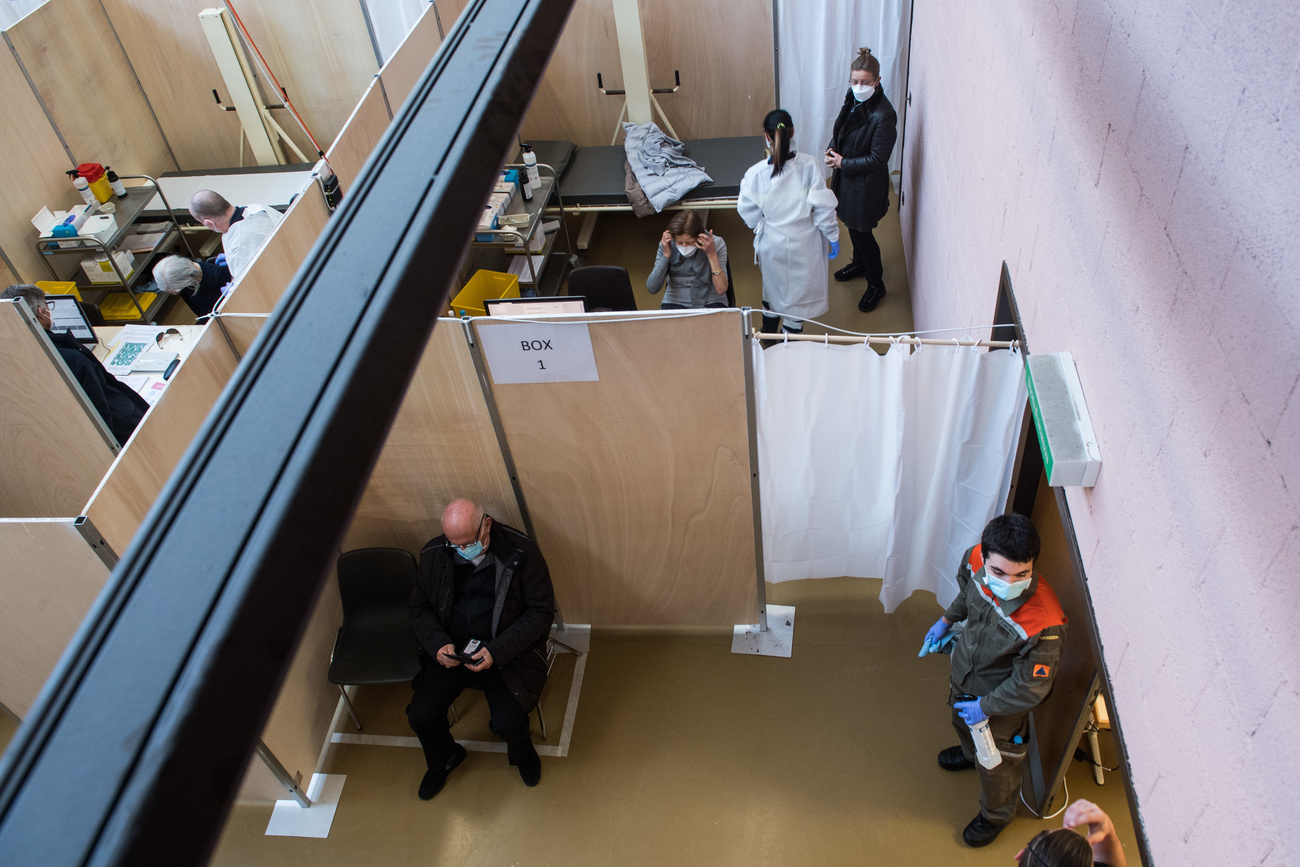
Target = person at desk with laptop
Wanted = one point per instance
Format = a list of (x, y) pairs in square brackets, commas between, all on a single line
[(243, 230), (115, 401)]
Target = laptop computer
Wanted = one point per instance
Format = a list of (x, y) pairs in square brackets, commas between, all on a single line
[(67, 316)]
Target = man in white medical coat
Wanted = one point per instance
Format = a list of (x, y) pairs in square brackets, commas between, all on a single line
[(243, 230)]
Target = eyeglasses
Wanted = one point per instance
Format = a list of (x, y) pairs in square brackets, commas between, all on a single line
[(49, 305), (477, 533), (168, 339)]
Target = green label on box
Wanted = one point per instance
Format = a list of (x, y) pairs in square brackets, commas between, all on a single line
[(1043, 445)]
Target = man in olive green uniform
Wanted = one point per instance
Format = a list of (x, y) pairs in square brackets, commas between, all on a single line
[(1005, 658)]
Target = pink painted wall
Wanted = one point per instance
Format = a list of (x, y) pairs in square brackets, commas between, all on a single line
[(1138, 167)]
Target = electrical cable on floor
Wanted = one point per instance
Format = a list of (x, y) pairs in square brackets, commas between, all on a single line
[(1064, 803)]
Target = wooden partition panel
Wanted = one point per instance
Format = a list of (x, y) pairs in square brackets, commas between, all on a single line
[(728, 83), (49, 577), (134, 482), (259, 290), (321, 53), (7, 277), (54, 454), (442, 446), (83, 76), (639, 484), (408, 62), (31, 171), (171, 57), (242, 329), (359, 136)]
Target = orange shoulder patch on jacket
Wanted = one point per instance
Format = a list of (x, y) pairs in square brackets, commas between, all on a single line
[(1042, 671)]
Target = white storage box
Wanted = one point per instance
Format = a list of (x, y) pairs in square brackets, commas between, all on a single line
[(535, 243), (1071, 456), (99, 270), (101, 227), (69, 223)]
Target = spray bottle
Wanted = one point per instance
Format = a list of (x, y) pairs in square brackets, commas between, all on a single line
[(83, 187), (986, 749), (530, 166)]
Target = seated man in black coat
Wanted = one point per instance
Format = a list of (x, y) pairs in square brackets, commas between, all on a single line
[(481, 581), (117, 403)]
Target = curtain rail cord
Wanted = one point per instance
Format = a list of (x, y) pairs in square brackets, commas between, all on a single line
[(914, 341)]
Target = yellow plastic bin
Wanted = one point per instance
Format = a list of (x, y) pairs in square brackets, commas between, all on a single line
[(482, 286), (57, 287), (118, 306)]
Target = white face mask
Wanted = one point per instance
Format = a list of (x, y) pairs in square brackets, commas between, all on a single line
[(686, 251), (862, 92), (1006, 590)]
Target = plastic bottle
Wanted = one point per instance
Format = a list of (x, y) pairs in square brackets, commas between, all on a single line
[(525, 187), (84, 188), (530, 166), (986, 749), (119, 188)]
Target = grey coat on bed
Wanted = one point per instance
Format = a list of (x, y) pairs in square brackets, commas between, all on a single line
[(663, 171)]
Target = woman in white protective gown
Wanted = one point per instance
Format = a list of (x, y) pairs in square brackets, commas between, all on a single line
[(784, 199)]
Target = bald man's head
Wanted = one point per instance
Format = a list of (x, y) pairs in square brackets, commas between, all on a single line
[(463, 521), (212, 210)]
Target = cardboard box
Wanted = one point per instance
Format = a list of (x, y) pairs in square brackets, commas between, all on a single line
[(101, 227), (99, 270), (535, 243), (62, 226)]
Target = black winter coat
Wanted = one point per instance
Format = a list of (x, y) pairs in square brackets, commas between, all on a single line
[(521, 615), (864, 136), (117, 403)]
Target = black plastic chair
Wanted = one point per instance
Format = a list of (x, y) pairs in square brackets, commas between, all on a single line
[(606, 287), (731, 286), (376, 643), (93, 314)]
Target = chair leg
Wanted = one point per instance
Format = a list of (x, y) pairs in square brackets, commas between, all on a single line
[(541, 719), (351, 710), (455, 717)]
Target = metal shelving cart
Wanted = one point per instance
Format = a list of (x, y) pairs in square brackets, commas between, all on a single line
[(494, 255), (64, 262)]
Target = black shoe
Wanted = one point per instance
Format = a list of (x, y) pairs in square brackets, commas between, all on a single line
[(871, 298), (953, 759), (530, 768), (850, 271), (432, 783), (981, 832)]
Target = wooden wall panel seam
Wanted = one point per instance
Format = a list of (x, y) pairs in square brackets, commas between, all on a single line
[(135, 77), (39, 99)]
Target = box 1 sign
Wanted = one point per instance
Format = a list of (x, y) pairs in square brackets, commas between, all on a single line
[(536, 352)]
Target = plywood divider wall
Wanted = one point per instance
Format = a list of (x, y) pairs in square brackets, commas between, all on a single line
[(31, 171), (53, 455), (639, 485), (49, 577), (409, 61), (728, 84), (242, 329), (360, 134), (321, 53), (442, 446), (128, 491), (79, 69), (259, 290), (171, 57)]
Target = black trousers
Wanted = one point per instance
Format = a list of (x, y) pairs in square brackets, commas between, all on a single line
[(772, 324), (866, 252), (1000, 787), (437, 687)]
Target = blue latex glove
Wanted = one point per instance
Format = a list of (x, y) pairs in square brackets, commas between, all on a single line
[(221, 259), (933, 638), (835, 250), (970, 711)]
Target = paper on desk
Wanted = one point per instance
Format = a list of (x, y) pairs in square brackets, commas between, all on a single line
[(124, 355)]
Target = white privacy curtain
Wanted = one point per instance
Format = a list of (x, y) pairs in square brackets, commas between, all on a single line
[(818, 41), (882, 466)]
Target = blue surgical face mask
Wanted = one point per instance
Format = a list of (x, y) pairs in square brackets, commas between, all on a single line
[(1006, 590), (474, 550)]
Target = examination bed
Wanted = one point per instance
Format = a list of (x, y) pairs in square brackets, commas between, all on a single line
[(591, 178)]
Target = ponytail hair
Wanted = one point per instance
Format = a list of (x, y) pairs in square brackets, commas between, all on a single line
[(779, 127), (866, 62)]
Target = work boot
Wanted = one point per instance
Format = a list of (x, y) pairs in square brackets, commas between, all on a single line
[(953, 759), (850, 271), (981, 832), (871, 297)]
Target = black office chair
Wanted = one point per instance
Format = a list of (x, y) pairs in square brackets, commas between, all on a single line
[(551, 652), (376, 643), (606, 287), (93, 314)]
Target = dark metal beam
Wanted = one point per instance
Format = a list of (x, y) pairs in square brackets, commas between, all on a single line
[(137, 746)]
